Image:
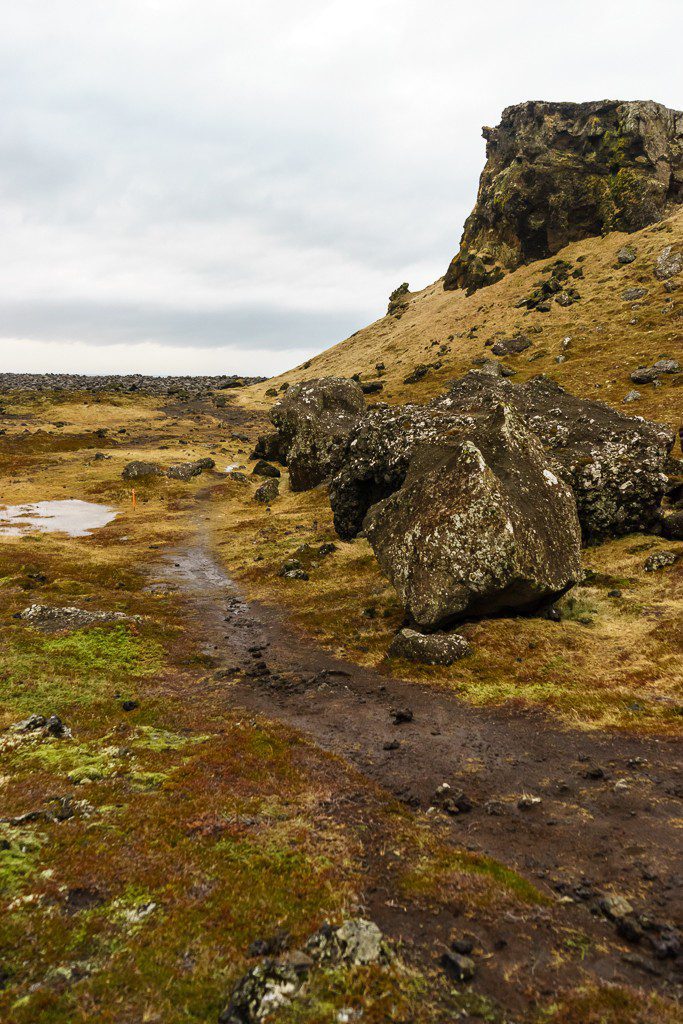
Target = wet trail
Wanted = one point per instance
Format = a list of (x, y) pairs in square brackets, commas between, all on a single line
[(609, 809)]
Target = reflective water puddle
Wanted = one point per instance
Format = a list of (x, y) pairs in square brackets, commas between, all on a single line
[(76, 518)]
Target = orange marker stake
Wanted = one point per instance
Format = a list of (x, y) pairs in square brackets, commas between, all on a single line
[(133, 497)]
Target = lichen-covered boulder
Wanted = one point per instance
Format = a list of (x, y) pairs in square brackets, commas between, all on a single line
[(263, 990), (479, 526), (377, 457), (559, 172), (313, 420), (615, 464)]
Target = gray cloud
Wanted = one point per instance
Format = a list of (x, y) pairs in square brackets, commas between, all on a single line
[(198, 174)]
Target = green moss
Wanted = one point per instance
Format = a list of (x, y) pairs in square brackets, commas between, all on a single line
[(374, 994), (432, 872), (55, 673), (19, 849), (151, 738), (79, 762)]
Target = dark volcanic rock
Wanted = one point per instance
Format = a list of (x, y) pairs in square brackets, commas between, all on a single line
[(269, 447), (377, 458), (314, 420), (615, 464), (141, 470), (480, 526), (558, 172), (672, 525), (648, 374), (184, 471), (263, 468), (267, 492)]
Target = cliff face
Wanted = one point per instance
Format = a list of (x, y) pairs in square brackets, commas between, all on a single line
[(559, 172)]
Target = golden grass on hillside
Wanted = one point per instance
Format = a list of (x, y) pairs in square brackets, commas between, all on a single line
[(609, 337)]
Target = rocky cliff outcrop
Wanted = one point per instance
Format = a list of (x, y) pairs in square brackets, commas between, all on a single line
[(559, 172)]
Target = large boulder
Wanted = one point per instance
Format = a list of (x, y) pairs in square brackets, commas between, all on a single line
[(480, 526), (314, 420), (377, 457), (559, 172), (615, 464)]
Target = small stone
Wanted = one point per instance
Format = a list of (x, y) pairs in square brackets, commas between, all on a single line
[(458, 967), (632, 396), (660, 560), (263, 468), (451, 801), (626, 254), (615, 907), (130, 705), (391, 745), (268, 491), (669, 263), (495, 808), (401, 715), (430, 649), (141, 470)]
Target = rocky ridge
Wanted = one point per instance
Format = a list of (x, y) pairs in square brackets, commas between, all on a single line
[(131, 382)]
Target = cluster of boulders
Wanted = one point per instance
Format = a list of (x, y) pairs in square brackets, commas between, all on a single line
[(555, 287), (130, 382), (476, 503)]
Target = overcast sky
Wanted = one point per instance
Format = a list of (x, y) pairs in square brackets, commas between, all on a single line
[(209, 186)]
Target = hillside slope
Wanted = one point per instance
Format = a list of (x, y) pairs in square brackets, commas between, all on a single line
[(609, 336)]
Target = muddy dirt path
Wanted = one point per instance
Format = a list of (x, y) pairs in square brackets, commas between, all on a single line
[(609, 812)]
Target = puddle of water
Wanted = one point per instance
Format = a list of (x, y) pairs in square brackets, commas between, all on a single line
[(233, 466), (76, 518)]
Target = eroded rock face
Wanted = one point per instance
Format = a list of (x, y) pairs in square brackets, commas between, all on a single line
[(615, 464), (558, 172), (314, 420), (480, 526)]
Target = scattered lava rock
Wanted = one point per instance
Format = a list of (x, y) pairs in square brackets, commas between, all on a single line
[(401, 715), (431, 648)]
